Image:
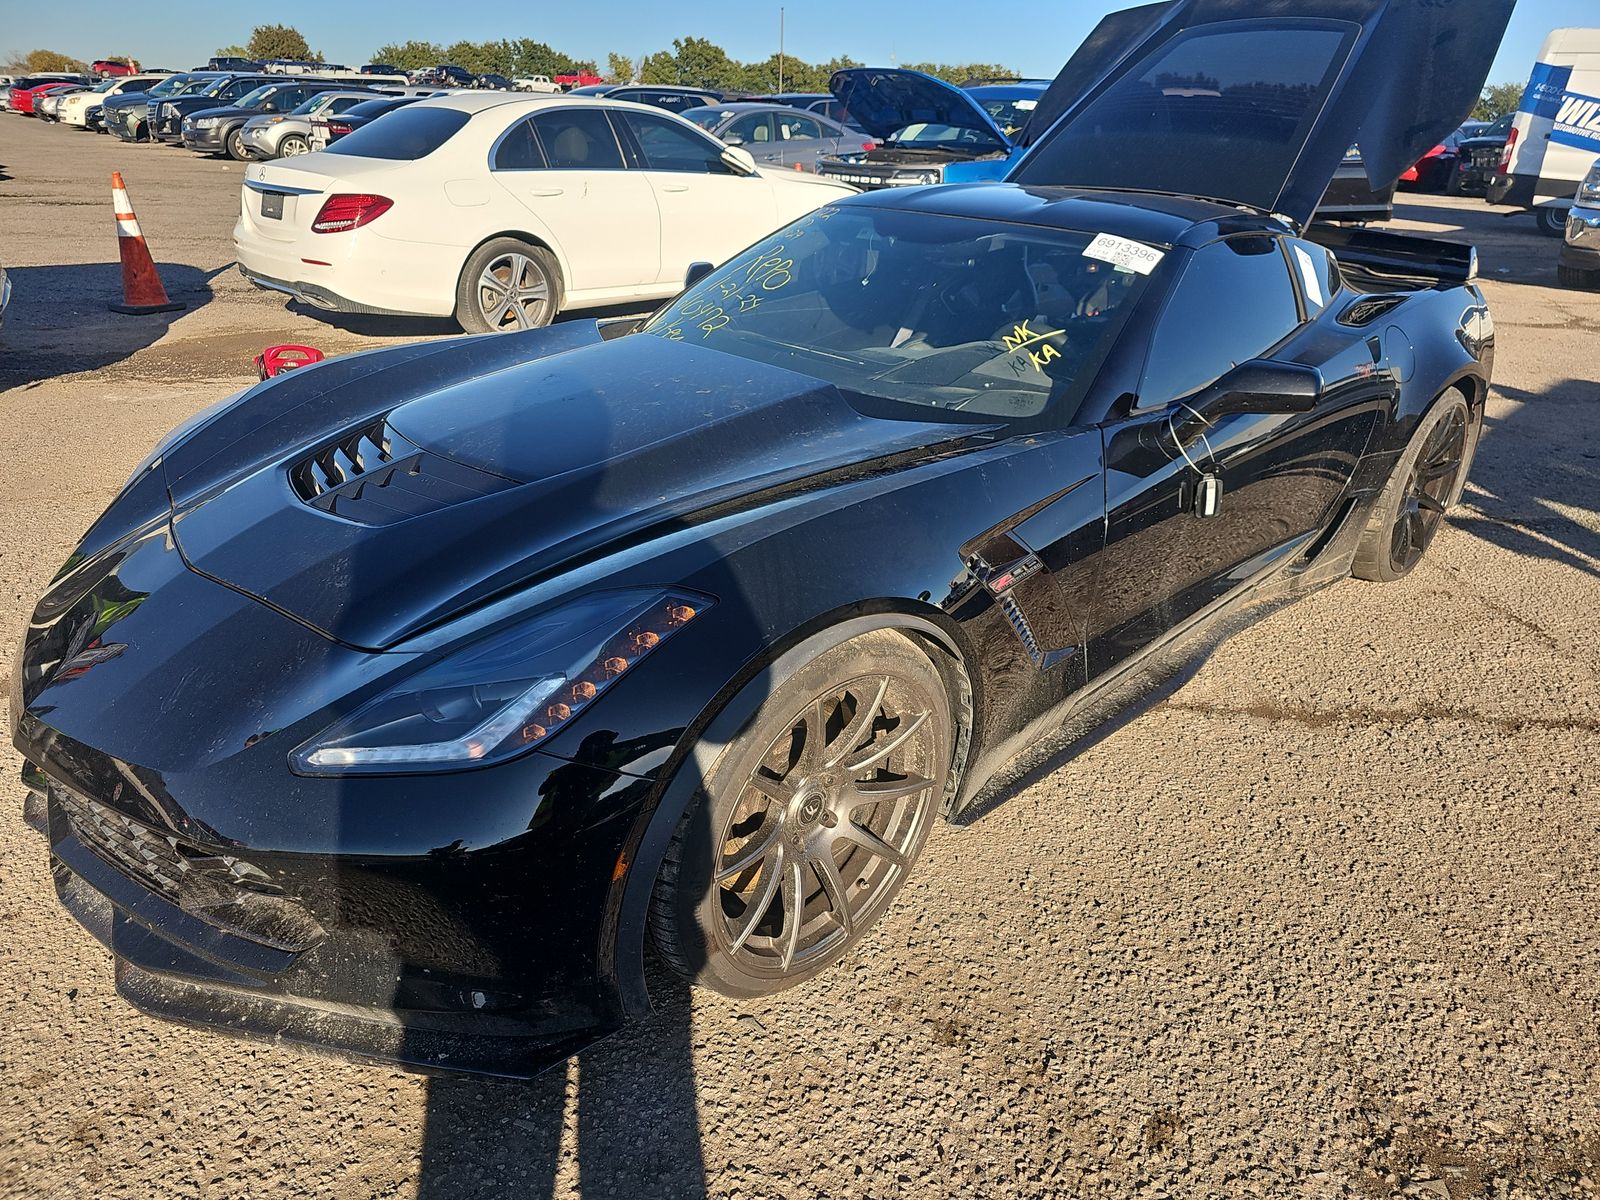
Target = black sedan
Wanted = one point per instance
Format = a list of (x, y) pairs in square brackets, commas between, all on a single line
[(395, 703)]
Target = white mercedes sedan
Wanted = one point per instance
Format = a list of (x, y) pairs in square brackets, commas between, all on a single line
[(503, 210)]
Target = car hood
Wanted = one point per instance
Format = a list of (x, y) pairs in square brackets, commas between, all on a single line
[(376, 496), (884, 101), (1395, 76)]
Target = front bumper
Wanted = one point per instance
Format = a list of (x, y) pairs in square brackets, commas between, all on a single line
[(1581, 247), (456, 922), (212, 140)]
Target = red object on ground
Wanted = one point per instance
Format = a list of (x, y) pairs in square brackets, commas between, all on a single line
[(276, 359), (141, 286)]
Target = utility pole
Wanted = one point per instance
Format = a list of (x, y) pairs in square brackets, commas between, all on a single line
[(780, 48)]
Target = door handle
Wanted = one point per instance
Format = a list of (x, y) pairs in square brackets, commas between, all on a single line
[(674, 187), (548, 191)]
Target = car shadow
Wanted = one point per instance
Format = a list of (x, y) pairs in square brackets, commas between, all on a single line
[(630, 1102), (1524, 503), (59, 321)]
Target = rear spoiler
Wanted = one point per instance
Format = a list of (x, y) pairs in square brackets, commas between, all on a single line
[(1402, 257)]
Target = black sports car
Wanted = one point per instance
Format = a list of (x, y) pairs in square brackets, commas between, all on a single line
[(395, 702)]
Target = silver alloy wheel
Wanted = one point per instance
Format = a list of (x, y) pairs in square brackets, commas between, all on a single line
[(512, 292), (292, 147), (827, 825)]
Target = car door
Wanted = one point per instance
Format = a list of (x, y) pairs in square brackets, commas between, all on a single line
[(566, 169), (802, 140), (708, 210), (1282, 476), (756, 133)]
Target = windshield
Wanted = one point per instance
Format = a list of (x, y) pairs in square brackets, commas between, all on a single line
[(923, 312), (405, 134), (106, 86), (705, 117), (172, 85), (931, 136), (256, 98), (1010, 115)]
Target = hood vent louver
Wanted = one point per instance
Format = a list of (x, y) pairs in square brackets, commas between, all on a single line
[(1368, 309), (374, 476)]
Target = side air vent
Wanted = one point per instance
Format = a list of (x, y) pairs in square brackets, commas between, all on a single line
[(1368, 309), (374, 476)]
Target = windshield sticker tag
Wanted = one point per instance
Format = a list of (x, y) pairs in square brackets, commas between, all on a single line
[(1308, 275), (1125, 254)]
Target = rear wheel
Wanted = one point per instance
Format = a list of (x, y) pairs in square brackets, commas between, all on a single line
[(293, 146), (1425, 483), (810, 820), (508, 284)]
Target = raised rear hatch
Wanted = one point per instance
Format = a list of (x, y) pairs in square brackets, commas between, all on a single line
[(1256, 102)]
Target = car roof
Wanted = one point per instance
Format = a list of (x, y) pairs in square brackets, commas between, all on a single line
[(744, 106), (1140, 216)]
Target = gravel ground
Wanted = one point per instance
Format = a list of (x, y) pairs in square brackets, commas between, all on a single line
[(1325, 922)]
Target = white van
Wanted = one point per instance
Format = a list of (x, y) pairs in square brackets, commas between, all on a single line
[(1556, 136)]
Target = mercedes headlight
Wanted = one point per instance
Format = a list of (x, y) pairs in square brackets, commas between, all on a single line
[(499, 697)]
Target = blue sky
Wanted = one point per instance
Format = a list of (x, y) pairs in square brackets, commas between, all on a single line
[(182, 33)]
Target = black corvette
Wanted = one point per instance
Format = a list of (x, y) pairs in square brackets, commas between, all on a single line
[(395, 703)]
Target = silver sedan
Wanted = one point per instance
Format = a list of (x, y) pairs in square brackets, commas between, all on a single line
[(777, 134), (284, 135)]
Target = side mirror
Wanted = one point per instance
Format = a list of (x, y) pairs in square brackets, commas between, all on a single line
[(733, 139), (1258, 386), (738, 160), (696, 272)]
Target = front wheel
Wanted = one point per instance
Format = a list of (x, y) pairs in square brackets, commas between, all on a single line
[(809, 822), (508, 284), (293, 146), (235, 145), (1578, 277), (1552, 221), (1425, 484)]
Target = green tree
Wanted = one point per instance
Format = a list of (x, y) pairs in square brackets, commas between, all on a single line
[(620, 67), (232, 52), (279, 41), (961, 72), (1497, 100), (410, 56), (50, 60)]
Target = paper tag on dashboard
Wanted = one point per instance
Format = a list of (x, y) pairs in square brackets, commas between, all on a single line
[(1124, 253)]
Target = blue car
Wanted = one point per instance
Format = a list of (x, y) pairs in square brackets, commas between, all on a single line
[(928, 131)]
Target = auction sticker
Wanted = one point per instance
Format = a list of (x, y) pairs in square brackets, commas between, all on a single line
[(1124, 253)]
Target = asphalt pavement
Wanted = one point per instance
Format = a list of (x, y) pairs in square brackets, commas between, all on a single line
[(1324, 922)]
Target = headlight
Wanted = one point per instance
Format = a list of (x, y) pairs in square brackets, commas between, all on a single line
[(497, 698), (207, 122), (1589, 189), (169, 110), (918, 176)]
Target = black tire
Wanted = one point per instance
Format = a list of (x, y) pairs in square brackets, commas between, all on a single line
[(1552, 221), (1426, 483), (1578, 277), (235, 145), (485, 302), (1453, 185), (293, 145), (787, 798)]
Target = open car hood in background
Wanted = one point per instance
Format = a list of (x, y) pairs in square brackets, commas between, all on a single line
[(885, 100), (1256, 102)]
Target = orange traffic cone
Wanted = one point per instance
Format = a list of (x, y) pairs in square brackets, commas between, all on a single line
[(141, 286)]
